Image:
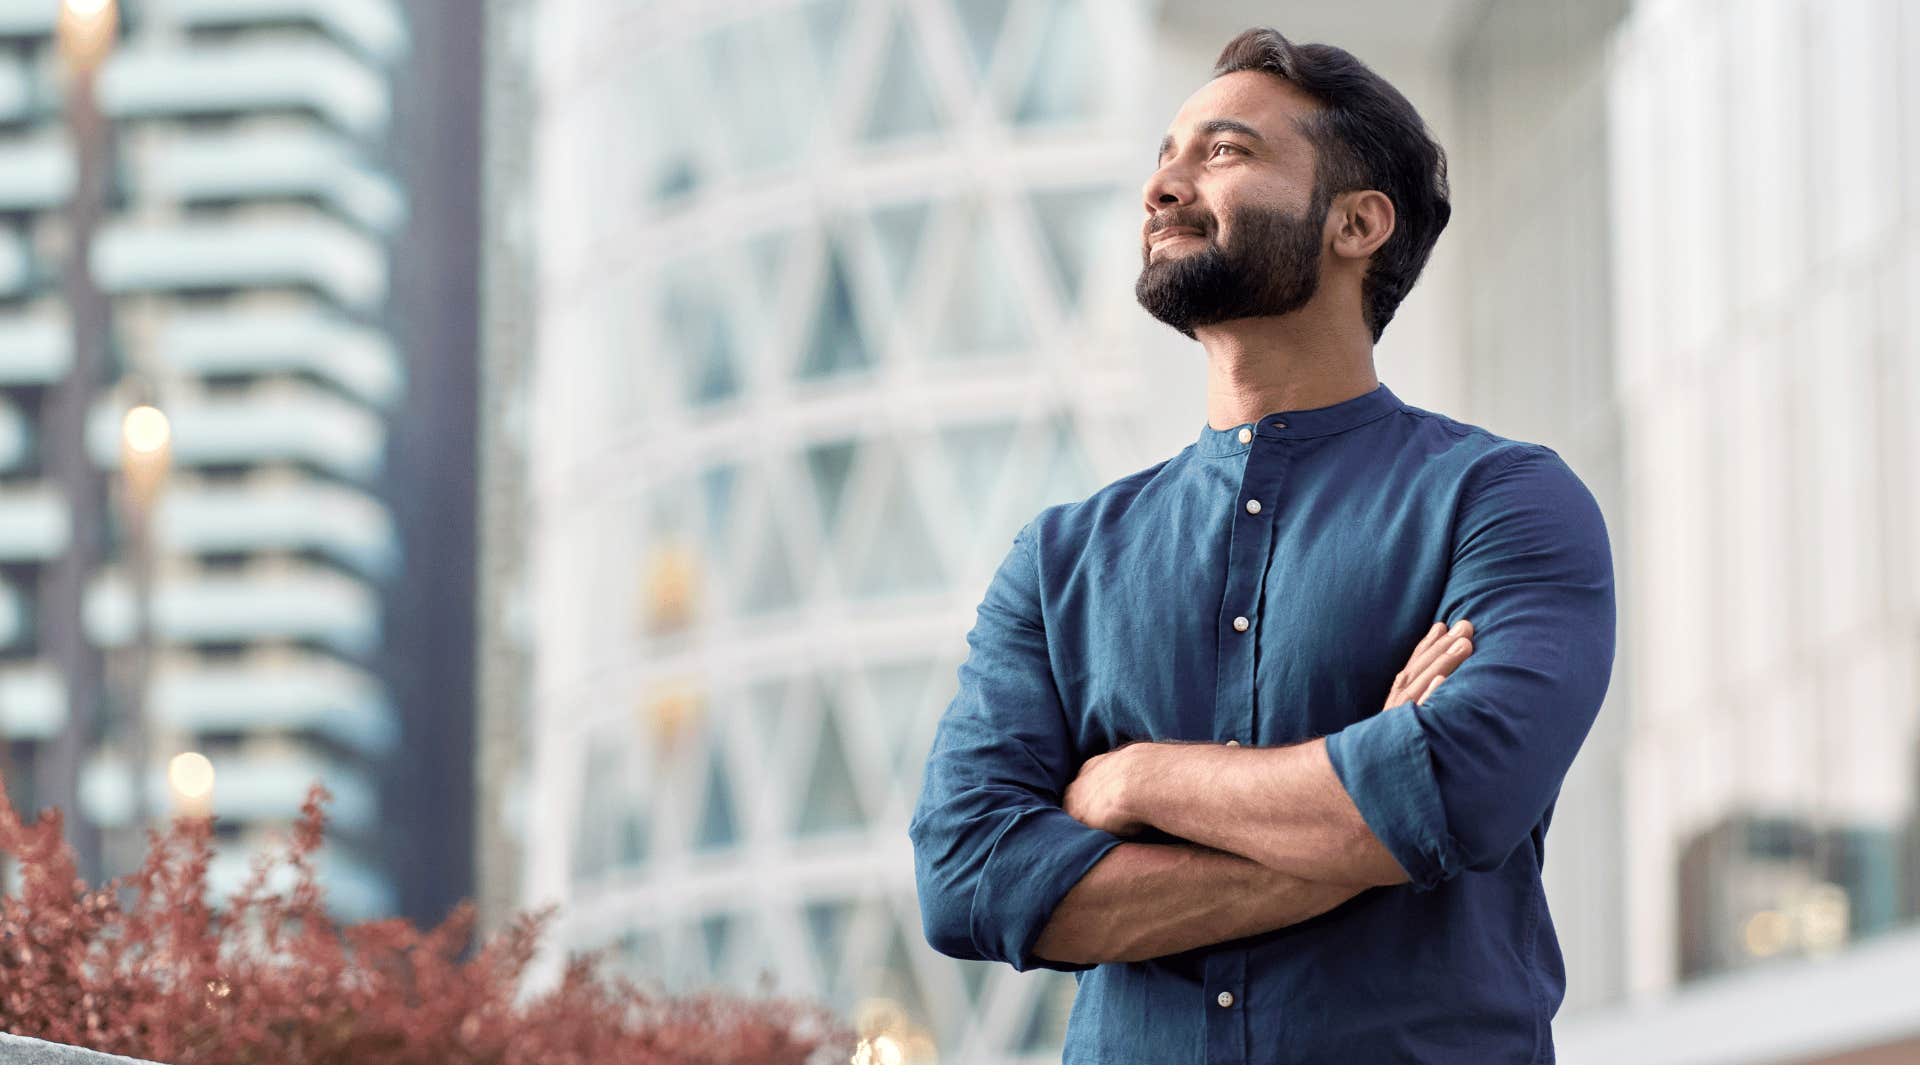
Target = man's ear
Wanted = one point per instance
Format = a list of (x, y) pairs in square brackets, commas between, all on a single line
[(1362, 221)]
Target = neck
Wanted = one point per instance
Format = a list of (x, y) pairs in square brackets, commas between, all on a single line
[(1301, 360)]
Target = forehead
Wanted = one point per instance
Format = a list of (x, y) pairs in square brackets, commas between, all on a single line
[(1267, 103)]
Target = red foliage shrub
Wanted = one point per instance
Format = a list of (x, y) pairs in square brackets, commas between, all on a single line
[(272, 979)]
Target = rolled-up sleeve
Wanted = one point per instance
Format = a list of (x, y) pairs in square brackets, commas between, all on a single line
[(1457, 783), (993, 851)]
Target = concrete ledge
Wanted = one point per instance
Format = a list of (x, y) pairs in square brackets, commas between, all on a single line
[(22, 1050), (1855, 1002)]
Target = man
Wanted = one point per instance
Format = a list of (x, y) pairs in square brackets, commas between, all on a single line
[(1169, 768)]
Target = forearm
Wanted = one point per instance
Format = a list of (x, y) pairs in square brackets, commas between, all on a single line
[(1281, 806), (1148, 900)]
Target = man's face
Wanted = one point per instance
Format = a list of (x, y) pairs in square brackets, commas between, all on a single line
[(1232, 230)]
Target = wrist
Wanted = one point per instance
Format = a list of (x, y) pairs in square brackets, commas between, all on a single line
[(1138, 786)]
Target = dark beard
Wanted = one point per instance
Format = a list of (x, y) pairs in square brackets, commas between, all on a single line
[(1271, 268)]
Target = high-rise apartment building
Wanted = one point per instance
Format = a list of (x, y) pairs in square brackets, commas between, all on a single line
[(242, 277)]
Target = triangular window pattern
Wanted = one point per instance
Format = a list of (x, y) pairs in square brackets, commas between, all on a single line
[(1065, 475), (978, 456), (899, 701), (827, 922), (719, 827), (836, 344), (1063, 85), (772, 584), (766, 705), (1046, 1029), (981, 21), (1071, 223), (716, 931), (901, 555), (767, 258), (899, 979), (826, 28), (704, 338), (635, 843), (832, 802), (829, 465), (903, 102), (716, 505), (984, 312), (898, 231)]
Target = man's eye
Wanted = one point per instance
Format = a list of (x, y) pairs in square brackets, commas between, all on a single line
[(1217, 147)]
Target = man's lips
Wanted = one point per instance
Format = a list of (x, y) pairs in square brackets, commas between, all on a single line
[(1165, 235)]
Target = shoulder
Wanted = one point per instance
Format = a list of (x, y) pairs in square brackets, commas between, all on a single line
[(1481, 459), (1070, 526)]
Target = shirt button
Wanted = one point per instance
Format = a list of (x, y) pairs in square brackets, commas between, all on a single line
[(1253, 506), (1246, 434), (1233, 742), (1225, 999), (1240, 622)]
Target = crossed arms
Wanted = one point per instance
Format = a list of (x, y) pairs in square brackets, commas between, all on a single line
[(1020, 851)]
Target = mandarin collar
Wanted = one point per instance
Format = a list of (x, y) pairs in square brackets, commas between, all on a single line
[(1298, 423)]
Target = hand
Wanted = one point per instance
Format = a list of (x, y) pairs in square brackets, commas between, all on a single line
[(1435, 658), (1098, 795)]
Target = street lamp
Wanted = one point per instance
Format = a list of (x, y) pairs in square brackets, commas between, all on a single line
[(191, 777), (146, 450), (85, 35)]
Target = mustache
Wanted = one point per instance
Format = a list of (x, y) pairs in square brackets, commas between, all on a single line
[(1179, 220)]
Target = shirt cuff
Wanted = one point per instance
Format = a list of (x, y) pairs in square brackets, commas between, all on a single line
[(1385, 766), (1036, 860)]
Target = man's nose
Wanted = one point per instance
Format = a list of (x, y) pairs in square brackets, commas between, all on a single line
[(1165, 188)]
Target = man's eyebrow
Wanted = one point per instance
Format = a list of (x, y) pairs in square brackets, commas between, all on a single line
[(1212, 127)]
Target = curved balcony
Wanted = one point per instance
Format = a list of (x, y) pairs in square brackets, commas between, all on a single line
[(293, 423), (355, 890), (262, 787), (306, 250), (35, 523), (16, 264), (302, 694), (249, 76), (359, 360), (20, 85), (298, 603), (372, 26), (14, 615), (304, 162), (36, 349), (33, 700), (40, 171), (340, 521), (16, 436)]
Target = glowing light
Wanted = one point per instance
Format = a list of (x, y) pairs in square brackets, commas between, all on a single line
[(191, 775), (1767, 933), (1823, 914), (879, 1050), (85, 9), (146, 430)]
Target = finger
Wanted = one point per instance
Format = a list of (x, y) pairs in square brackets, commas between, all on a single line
[(1444, 661), (1431, 687), (1406, 673), (1424, 656)]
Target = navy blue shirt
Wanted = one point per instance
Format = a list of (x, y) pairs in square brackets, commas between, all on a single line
[(1341, 534)]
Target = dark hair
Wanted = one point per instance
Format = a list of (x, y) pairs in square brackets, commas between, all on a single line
[(1368, 137)]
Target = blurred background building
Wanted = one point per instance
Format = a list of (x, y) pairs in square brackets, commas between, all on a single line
[(226, 426)]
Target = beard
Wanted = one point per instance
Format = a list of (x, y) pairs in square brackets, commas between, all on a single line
[(1271, 266)]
